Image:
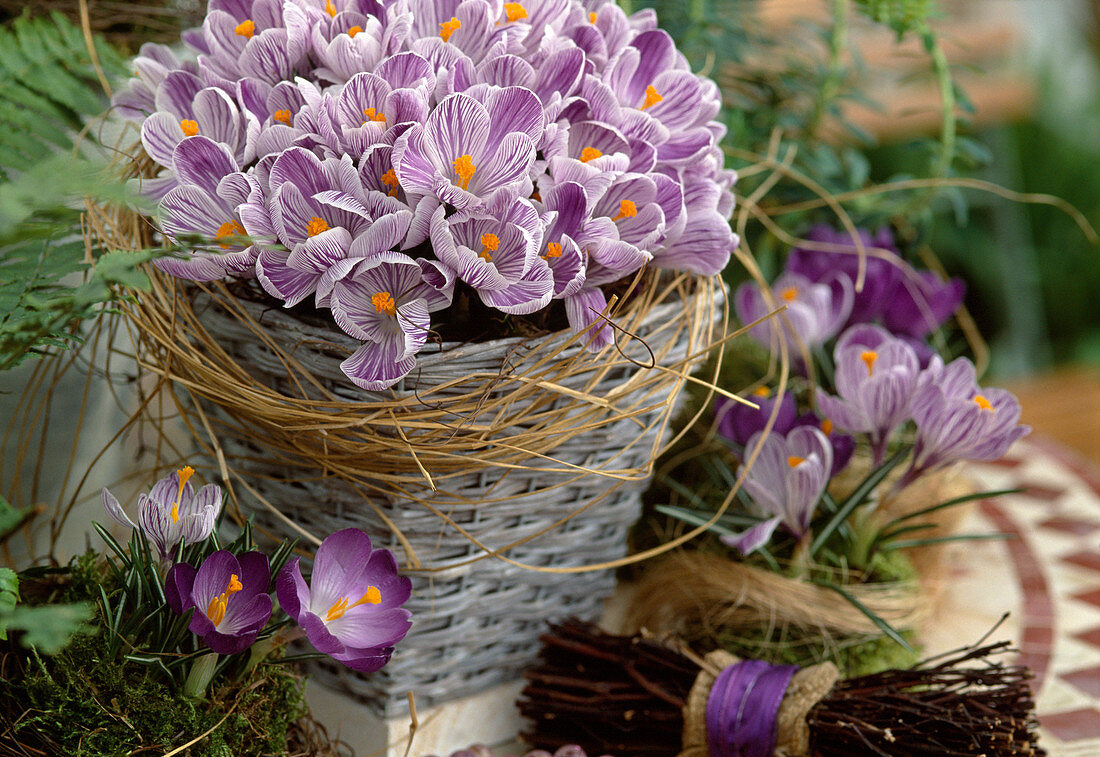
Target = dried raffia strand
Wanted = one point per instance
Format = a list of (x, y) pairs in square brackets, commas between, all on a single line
[(808, 687)]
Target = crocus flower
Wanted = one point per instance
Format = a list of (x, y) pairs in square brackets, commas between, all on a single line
[(876, 376), (466, 150), (739, 422), (351, 608), (171, 511), (186, 108), (959, 420), (384, 300), (229, 595), (205, 203), (786, 482), (815, 310), (882, 271)]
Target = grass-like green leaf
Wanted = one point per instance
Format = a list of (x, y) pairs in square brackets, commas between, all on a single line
[(879, 622)]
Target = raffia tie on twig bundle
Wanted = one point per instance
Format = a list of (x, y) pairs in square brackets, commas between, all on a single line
[(808, 686)]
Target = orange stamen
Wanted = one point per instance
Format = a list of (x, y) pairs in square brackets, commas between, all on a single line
[(489, 243), (790, 294), (589, 153), (983, 403), (229, 229), (216, 609), (652, 97), (515, 11), (372, 115), (592, 17), (827, 426), (371, 596), (761, 391), (354, 30), (869, 357), (627, 209), (383, 303), (246, 28), (284, 116), (389, 178), (553, 250), (316, 226), (183, 474), (330, 9), (447, 28), (794, 462), (189, 127), (464, 170)]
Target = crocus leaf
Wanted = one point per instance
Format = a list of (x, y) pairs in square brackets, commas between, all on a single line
[(881, 624), (950, 503), (910, 543), (856, 498)]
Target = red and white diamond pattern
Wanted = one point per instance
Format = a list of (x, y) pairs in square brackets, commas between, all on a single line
[(1048, 574)]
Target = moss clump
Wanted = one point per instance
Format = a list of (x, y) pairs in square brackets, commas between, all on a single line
[(88, 702), (93, 706)]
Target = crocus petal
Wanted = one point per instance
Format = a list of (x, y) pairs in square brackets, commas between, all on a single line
[(178, 585), (114, 509), (754, 538)]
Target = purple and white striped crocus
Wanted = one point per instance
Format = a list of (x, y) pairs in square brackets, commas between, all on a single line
[(815, 310), (466, 150), (351, 608), (385, 300), (229, 595), (876, 377), (786, 482), (322, 215), (496, 251), (205, 203), (171, 511), (187, 108), (959, 420)]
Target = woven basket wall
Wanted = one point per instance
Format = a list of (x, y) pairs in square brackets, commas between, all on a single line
[(537, 450)]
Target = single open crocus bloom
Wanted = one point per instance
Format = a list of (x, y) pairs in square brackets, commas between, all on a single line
[(815, 310), (959, 420), (351, 608), (786, 481), (171, 511), (876, 376), (229, 595)]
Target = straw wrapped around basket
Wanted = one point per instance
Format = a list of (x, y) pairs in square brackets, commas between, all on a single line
[(499, 470)]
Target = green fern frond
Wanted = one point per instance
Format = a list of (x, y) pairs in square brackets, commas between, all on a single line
[(48, 88)]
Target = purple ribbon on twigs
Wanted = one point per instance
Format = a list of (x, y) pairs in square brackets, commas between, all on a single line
[(743, 706)]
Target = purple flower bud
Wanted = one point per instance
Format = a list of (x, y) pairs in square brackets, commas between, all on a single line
[(229, 595), (351, 609)]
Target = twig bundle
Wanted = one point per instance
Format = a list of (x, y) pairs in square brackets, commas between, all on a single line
[(629, 695)]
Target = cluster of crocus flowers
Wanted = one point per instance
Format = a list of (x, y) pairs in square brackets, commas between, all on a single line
[(351, 610), (828, 287), (530, 151)]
